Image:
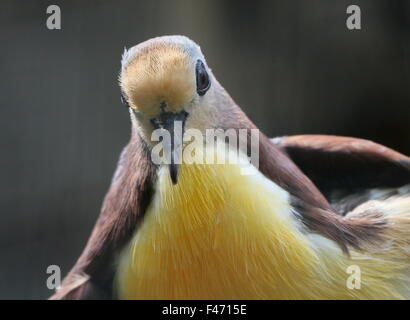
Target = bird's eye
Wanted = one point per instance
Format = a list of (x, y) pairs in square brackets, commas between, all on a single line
[(202, 79)]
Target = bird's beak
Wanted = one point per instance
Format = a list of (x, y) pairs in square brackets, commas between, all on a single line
[(174, 124)]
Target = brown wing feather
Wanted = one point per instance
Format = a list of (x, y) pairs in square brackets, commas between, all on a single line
[(311, 206), (346, 166), (124, 205)]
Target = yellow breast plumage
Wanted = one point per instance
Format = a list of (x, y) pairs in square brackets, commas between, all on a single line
[(218, 234)]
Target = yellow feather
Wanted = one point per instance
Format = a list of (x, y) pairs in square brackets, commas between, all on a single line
[(218, 234)]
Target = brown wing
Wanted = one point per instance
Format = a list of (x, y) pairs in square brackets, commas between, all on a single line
[(332, 163), (124, 205), (344, 168)]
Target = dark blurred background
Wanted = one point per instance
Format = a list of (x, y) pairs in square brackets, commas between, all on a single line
[(293, 66)]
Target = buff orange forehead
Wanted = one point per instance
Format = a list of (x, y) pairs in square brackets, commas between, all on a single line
[(158, 74)]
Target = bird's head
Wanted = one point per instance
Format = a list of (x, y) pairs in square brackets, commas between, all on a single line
[(166, 79)]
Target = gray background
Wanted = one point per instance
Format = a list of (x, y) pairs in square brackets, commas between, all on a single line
[(292, 65)]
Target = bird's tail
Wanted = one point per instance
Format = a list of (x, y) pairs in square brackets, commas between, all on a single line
[(395, 211)]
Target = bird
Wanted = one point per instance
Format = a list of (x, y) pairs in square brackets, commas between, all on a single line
[(313, 212)]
